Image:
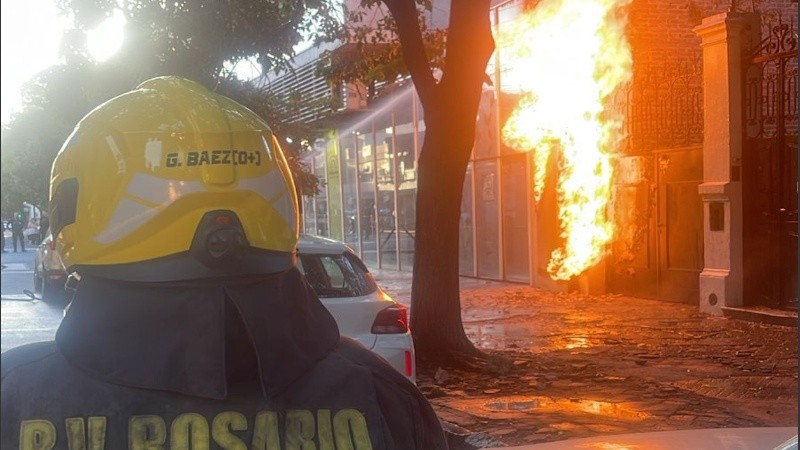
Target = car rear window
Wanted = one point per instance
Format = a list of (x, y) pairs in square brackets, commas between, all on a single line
[(332, 276)]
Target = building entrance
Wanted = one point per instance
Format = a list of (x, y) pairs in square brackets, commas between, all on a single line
[(769, 166)]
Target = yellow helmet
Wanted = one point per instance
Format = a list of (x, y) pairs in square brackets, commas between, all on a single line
[(173, 182)]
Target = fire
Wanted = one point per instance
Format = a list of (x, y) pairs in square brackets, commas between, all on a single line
[(567, 57)]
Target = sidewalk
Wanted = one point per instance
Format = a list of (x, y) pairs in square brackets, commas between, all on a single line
[(587, 365)]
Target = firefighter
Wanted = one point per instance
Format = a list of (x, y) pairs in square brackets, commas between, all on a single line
[(191, 326)]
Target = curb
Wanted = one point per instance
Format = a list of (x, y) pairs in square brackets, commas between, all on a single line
[(772, 317)]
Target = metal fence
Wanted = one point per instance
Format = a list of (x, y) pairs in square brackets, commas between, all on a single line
[(662, 106), (771, 82)]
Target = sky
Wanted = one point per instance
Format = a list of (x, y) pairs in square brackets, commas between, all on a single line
[(31, 34)]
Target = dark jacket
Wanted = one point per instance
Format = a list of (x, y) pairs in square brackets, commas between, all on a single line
[(17, 225), (118, 376)]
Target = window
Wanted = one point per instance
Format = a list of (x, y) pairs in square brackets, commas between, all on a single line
[(333, 276)]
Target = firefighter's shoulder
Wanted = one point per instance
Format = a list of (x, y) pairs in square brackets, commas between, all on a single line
[(24, 355), (411, 420)]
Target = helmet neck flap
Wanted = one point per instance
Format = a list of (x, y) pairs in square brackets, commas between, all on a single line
[(171, 336)]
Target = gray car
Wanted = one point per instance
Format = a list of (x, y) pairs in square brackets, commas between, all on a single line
[(49, 274)]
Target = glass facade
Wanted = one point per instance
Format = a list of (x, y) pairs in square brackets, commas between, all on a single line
[(487, 209), (466, 229), (516, 199), (369, 170), (369, 166), (333, 181), (367, 209), (386, 195)]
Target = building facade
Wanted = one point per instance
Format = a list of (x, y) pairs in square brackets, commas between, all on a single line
[(704, 197)]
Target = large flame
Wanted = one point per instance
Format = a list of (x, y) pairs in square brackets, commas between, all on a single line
[(567, 57)]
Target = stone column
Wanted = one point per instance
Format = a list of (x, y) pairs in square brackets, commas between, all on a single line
[(724, 38)]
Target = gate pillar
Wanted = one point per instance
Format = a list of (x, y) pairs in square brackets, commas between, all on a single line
[(724, 37)]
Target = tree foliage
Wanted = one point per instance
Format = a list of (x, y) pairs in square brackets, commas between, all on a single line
[(34, 135), (371, 52), (194, 39), (26, 150)]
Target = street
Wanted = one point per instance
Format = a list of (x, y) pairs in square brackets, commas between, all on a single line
[(570, 365), (23, 320)]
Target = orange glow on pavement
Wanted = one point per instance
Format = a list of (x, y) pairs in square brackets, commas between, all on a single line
[(522, 404), (568, 56)]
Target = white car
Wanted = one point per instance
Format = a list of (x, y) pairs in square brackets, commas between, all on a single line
[(361, 309)]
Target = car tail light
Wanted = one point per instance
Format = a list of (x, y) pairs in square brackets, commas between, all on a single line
[(409, 364), (393, 319), (52, 244)]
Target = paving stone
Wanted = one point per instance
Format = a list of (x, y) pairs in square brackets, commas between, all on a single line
[(682, 368)]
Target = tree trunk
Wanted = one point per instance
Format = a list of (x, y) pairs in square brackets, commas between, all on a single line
[(450, 107), (435, 298)]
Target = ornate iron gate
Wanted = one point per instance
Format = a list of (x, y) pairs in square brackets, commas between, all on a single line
[(769, 163)]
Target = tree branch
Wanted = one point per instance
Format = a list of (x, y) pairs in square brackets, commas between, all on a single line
[(410, 35)]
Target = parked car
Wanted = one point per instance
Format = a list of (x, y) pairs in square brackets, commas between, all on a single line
[(362, 310), (49, 274)]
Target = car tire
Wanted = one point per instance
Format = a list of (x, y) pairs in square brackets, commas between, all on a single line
[(37, 281), (53, 293)]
